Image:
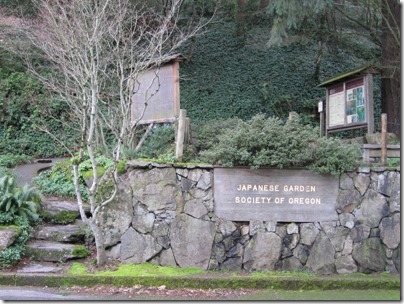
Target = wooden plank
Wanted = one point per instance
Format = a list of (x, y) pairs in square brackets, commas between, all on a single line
[(383, 140), (377, 146), (274, 195), (389, 154), (179, 149)]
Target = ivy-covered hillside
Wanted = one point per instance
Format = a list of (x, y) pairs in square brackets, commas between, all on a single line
[(226, 75), (233, 76)]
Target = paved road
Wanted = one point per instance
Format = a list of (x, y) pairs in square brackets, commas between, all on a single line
[(26, 172), (37, 294), (27, 293)]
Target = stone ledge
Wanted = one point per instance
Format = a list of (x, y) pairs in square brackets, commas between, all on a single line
[(210, 280), (141, 164)]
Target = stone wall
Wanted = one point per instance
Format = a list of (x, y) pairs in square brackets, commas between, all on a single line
[(165, 215)]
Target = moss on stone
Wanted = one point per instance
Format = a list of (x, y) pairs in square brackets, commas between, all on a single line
[(80, 251), (62, 217)]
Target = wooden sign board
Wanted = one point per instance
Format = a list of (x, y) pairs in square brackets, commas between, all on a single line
[(157, 93), (274, 195), (349, 100)]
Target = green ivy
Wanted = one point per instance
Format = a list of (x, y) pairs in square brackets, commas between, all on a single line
[(59, 181), (228, 77), (12, 254), (11, 160)]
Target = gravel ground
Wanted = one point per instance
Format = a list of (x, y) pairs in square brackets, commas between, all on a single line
[(160, 292)]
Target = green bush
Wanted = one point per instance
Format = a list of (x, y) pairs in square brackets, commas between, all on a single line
[(103, 163), (11, 160), (26, 104), (12, 254), (59, 181), (271, 142), (159, 144), (24, 202)]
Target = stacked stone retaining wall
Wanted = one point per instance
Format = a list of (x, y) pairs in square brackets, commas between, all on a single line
[(165, 215)]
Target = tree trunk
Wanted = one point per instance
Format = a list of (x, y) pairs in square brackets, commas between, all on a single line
[(391, 65), (99, 244)]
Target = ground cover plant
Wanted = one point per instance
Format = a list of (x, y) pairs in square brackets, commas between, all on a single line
[(19, 210), (272, 142)]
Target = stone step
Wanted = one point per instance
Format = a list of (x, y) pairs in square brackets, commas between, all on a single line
[(52, 251), (71, 233), (59, 211), (41, 267)]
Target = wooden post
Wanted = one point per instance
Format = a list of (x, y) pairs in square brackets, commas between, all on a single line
[(383, 141), (321, 111), (179, 148)]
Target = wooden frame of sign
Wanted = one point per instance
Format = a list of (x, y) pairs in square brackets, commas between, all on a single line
[(349, 101), (157, 93), (156, 99)]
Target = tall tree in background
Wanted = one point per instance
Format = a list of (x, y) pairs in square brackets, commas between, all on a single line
[(308, 18), (391, 64), (98, 48)]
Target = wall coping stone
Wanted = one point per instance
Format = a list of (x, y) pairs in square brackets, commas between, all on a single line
[(141, 164)]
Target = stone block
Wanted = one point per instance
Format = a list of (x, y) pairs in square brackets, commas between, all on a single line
[(360, 233), (270, 226), (373, 208), (232, 264), (347, 220), (262, 251), (348, 200), (291, 264), (362, 182), (191, 241), (292, 228), (195, 208), (138, 248), (370, 255), (321, 259), (8, 235), (226, 228), (205, 181), (345, 264), (301, 252), (308, 233), (390, 231)]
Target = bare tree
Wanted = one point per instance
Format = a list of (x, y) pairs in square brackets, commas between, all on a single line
[(99, 48)]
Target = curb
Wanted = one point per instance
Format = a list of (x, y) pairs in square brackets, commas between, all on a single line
[(289, 283)]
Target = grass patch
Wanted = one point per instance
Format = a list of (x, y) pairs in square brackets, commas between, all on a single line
[(281, 274), (141, 270), (149, 270), (77, 269), (325, 295)]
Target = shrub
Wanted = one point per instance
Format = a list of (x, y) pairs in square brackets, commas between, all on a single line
[(271, 142), (10, 160), (24, 202), (159, 144), (12, 254), (59, 181)]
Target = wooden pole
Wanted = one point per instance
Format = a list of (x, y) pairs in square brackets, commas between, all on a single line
[(383, 141), (321, 111), (321, 124), (179, 148)]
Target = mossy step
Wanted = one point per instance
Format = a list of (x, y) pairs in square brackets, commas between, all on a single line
[(72, 233), (59, 211), (54, 252)]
